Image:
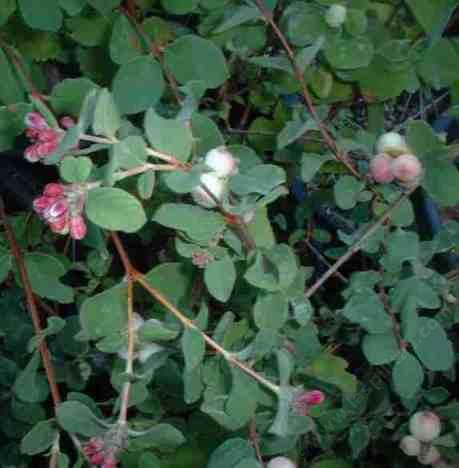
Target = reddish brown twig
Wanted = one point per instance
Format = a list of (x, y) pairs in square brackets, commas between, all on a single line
[(31, 306)]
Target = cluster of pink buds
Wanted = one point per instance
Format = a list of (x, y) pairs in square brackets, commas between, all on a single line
[(99, 454), (303, 400), (44, 139), (61, 207)]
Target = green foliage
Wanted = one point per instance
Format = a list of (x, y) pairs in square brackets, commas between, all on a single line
[(192, 334)]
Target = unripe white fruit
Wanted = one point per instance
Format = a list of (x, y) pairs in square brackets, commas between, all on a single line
[(407, 168), (425, 426), (336, 15), (221, 161), (214, 185), (381, 169), (391, 143), (430, 457), (280, 462), (410, 446)]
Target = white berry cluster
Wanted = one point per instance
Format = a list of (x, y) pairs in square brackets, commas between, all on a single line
[(336, 15), (394, 161), (425, 427), (281, 462), (213, 184)]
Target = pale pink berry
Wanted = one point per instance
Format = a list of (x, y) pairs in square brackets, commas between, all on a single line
[(280, 462), (36, 121), (407, 168), (67, 122), (410, 446), (56, 210), (53, 190), (221, 161), (77, 227), (381, 169), (425, 426)]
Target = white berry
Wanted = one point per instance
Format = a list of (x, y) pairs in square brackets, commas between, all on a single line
[(214, 185), (410, 446), (407, 168), (430, 457), (425, 426), (221, 161), (280, 462), (391, 143), (336, 15)]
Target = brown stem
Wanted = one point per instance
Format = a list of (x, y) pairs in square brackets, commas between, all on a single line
[(358, 245), (329, 141), (255, 440), (31, 306)]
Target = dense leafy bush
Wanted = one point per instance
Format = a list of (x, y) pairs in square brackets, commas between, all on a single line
[(226, 269)]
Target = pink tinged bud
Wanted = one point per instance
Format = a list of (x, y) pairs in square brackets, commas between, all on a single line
[(36, 121), (53, 190), (32, 133), (381, 169), (46, 148), (304, 400), (56, 210), (97, 458), (77, 227), (60, 225), (48, 135), (67, 122), (407, 168), (41, 203), (110, 462), (31, 153)]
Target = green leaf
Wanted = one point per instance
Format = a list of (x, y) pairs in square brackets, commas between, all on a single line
[(332, 463), (75, 170), (198, 223), (380, 349), (11, 122), (230, 453), (6, 262), (154, 330), (114, 209), (220, 276), (260, 229), (149, 460), (432, 16), (104, 6), (138, 85), (431, 345), (270, 311), (407, 375), (161, 436), (293, 130), (359, 438), (206, 134), (305, 23), (124, 43), (348, 54), (39, 438), (402, 246), (77, 418), (347, 191), (192, 58), (183, 181), (194, 348), (179, 7), (44, 272), (107, 120), (332, 369), (368, 311), (7, 8), (72, 8), (30, 386), (240, 15), (168, 135), (11, 91), (274, 269), (67, 96), (105, 313), (67, 145), (146, 184), (45, 15), (259, 179), (311, 163), (130, 152)]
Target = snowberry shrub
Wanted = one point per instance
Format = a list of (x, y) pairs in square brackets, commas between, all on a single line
[(227, 267)]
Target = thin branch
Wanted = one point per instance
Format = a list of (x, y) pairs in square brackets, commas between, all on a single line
[(359, 244), (329, 141), (31, 306)]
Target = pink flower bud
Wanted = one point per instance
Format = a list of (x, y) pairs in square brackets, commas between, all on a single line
[(381, 168), (53, 190), (60, 225), (46, 148), (407, 168), (47, 135), (67, 122), (36, 121), (77, 227), (32, 133), (110, 462), (302, 401), (41, 203), (97, 458), (56, 210), (31, 153)]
